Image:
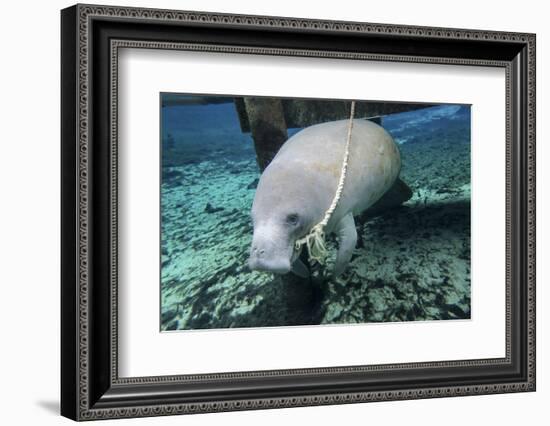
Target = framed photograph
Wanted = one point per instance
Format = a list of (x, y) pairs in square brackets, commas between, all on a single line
[(263, 212)]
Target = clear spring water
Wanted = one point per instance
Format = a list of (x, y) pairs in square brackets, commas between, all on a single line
[(412, 263)]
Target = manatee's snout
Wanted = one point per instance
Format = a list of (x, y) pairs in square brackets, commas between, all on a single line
[(260, 260), (266, 255)]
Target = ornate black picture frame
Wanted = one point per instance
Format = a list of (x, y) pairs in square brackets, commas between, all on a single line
[(91, 387)]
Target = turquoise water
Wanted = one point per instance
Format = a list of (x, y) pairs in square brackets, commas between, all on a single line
[(410, 264)]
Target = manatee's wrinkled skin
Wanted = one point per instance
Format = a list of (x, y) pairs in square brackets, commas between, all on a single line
[(298, 186)]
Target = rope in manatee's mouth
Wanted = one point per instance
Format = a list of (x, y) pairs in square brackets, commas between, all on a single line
[(315, 239)]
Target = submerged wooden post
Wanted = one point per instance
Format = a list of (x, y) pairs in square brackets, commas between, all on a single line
[(267, 126)]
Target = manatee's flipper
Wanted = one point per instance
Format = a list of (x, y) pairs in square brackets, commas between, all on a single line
[(394, 197), (347, 238), (300, 269)]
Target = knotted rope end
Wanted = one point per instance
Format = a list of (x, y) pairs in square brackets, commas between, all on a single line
[(315, 243)]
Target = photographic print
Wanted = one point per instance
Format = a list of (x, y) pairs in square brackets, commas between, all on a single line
[(293, 212)]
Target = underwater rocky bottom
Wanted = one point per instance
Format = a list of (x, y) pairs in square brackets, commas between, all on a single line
[(411, 263)]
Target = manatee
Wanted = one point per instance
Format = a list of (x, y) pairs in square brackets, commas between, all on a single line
[(298, 186)]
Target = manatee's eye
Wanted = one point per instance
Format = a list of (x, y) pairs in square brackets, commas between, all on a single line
[(292, 219)]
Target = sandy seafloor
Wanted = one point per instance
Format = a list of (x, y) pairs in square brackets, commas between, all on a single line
[(411, 263)]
